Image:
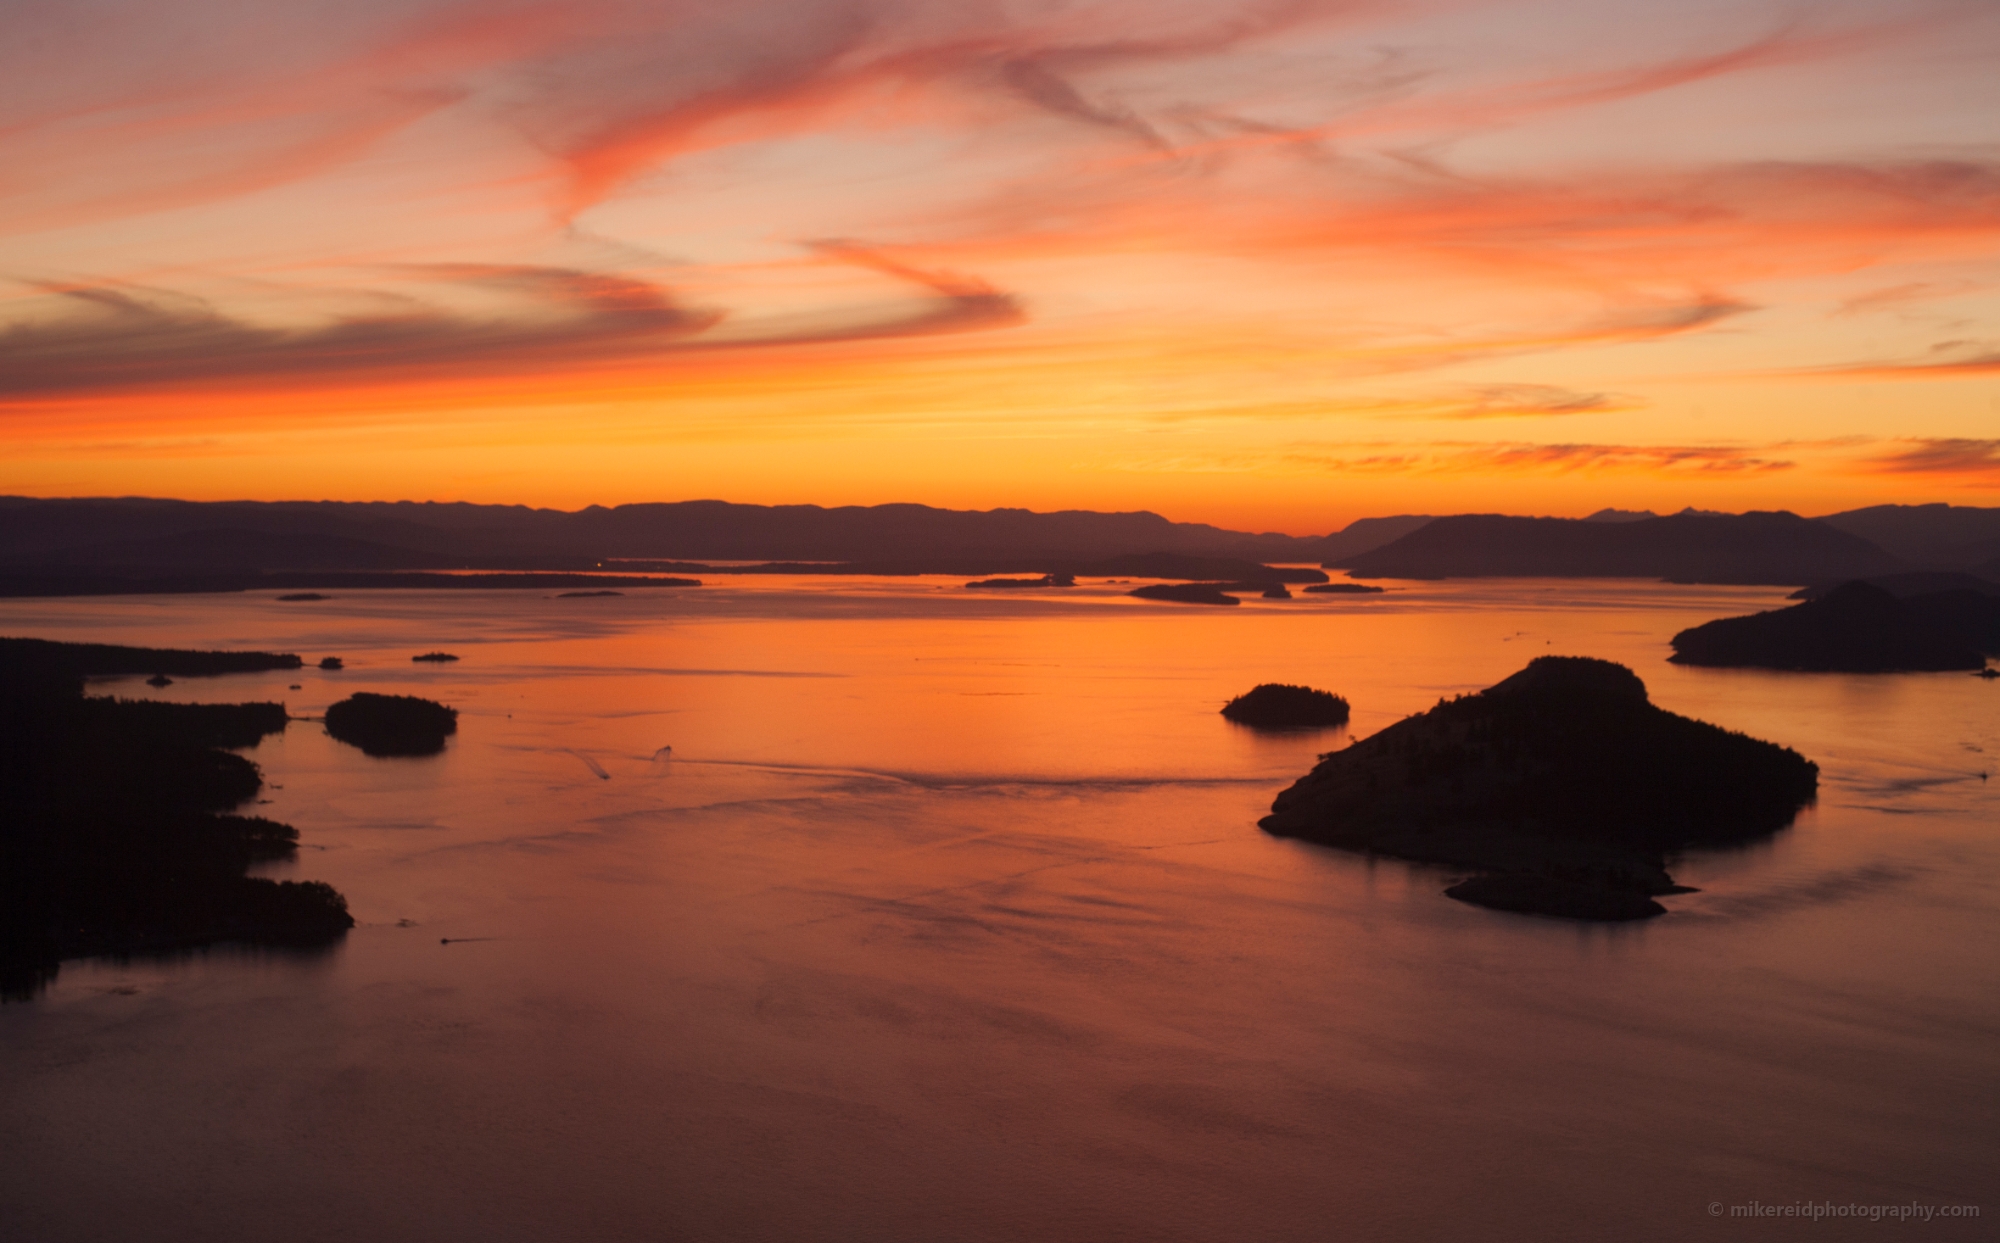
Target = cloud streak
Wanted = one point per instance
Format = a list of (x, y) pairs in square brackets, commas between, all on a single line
[(1459, 458), (545, 320), (1977, 459), (1945, 360), (112, 338)]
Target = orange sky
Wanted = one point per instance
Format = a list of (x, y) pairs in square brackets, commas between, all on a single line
[(1271, 265)]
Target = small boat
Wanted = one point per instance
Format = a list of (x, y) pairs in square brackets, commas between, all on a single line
[(1989, 673)]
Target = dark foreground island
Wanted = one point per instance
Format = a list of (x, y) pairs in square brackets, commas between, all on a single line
[(116, 836), (1855, 628), (1562, 786)]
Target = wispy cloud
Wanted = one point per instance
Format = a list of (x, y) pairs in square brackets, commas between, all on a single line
[(1564, 458), (540, 320), (1514, 401), (1909, 293), (1945, 360), (111, 338), (1979, 459), (1447, 458)]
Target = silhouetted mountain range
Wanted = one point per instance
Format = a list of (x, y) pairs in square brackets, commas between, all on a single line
[(1930, 537), (121, 544), (133, 532), (1366, 534)]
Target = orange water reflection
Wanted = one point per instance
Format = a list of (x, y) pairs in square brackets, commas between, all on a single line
[(946, 916)]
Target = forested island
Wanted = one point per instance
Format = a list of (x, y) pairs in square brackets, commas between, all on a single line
[(1562, 787), (1855, 628), (1186, 593), (1004, 584), (385, 725), (1279, 705), (118, 836)]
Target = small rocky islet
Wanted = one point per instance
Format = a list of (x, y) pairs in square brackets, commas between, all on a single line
[(1562, 788), (1280, 705)]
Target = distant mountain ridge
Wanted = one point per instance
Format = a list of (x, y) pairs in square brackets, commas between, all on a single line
[(146, 534), (1930, 537), (149, 541), (1778, 548)]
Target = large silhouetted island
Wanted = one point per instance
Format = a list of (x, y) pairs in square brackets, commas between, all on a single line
[(384, 725), (1563, 787), (1855, 628), (117, 836)]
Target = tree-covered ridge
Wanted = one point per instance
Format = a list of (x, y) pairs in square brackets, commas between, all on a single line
[(117, 836)]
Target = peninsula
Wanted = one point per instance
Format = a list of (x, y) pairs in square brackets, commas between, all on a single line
[(118, 837), (1855, 628), (1563, 788)]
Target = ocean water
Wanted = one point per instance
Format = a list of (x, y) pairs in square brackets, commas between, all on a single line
[(801, 909)]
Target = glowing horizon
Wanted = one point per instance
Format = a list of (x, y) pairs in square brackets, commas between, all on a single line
[(1272, 265)]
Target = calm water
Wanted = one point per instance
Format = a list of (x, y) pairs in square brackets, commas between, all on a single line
[(946, 918)]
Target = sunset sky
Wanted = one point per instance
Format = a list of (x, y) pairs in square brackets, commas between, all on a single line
[(1273, 265)]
